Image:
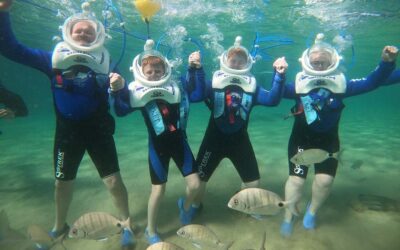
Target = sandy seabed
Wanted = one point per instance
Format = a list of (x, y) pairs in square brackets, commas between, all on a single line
[(26, 185)]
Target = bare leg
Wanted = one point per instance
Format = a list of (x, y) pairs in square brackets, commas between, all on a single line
[(157, 192), (192, 189), (293, 192), (200, 194), (63, 196), (251, 184), (116, 187), (321, 189), (118, 192)]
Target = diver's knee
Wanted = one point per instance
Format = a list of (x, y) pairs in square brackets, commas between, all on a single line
[(61, 185), (251, 184), (324, 180), (296, 181), (113, 182)]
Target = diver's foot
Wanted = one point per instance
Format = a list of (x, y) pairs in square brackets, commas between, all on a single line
[(186, 217), (63, 232), (287, 228), (127, 238), (309, 219), (152, 239)]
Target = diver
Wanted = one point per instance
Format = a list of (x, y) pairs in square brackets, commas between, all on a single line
[(164, 104), (79, 71), (230, 96), (319, 91)]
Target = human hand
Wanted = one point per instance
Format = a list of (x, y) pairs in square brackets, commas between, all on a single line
[(117, 82), (7, 113), (195, 60), (389, 53), (5, 5), (280, 65)]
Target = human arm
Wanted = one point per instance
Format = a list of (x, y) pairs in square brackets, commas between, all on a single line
[(195, 82), (15, 51), (119, 95), (393, 78), (377, 77), (14, 105), (274, 96)]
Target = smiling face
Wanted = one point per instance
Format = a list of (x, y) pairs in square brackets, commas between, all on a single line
[(83, 33), (153, 68), (320, 60), (237, 59)]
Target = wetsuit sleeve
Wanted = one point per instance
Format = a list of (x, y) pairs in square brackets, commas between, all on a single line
[(119, 101), (274, 96), (13, 102), (289, 91), (195, 84), (393, 78), (15, 51), (373, 80)]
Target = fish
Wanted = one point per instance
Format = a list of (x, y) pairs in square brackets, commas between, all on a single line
[(257, 201), (202, 237), (375, 203), (357, 164), (11, 239), (95, 225), (313, 155), (40, 237), (164, 246), (6, 232)]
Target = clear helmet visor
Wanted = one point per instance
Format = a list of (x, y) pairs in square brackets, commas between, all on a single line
[(321, 58), (83, 32), (151, 68), (236, 60)]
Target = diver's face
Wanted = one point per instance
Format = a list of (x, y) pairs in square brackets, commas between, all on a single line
[(236, 62), (83, 33), (153, 72), (320, 61)]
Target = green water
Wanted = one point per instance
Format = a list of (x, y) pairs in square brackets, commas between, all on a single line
[(369, 130)]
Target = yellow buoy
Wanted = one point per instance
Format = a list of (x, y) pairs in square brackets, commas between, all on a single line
[(147, 8)]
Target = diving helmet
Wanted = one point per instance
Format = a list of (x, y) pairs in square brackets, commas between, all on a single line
[(236, 60), (97, 38), (321, 59), (142, 59)]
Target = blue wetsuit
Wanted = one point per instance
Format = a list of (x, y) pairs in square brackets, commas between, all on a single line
[(172, 142), (226, 136), (323, 132), (83, 120), (393, 78)]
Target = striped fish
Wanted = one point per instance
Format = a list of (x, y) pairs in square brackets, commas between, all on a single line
[(256, 201), (164, 246), (40, 237), (313, 155), (95, 225), (202, 237)]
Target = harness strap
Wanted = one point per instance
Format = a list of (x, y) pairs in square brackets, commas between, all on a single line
[(59, 81)]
